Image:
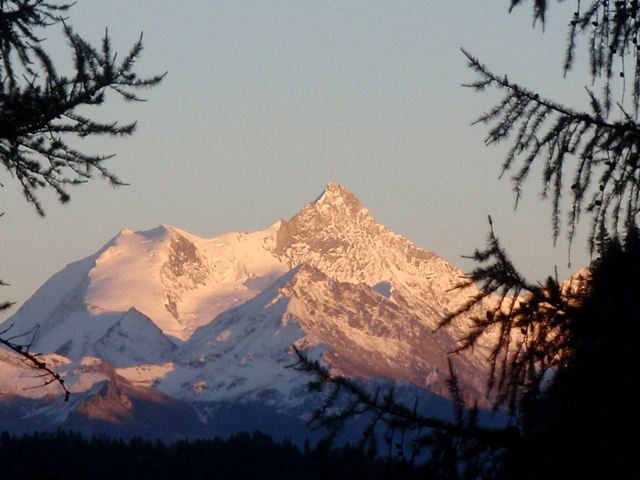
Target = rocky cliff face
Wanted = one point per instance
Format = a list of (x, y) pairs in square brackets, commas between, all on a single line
[(338, 235), (186, 269)]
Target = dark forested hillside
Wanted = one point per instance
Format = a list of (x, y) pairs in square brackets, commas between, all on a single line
[(65, 455)]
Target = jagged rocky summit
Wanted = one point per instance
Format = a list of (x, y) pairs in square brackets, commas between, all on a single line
[(210, 322)]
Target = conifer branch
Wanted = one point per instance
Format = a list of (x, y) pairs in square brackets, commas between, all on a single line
[(39, 108), (602, 154), (33, 360), (384, 406), (528, 324)]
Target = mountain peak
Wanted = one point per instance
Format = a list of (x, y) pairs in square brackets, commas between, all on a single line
[(341, 199), (332, 191), (331, 223)]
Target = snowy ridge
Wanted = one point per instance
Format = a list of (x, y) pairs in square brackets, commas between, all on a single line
[(176, 279), (179, 280)]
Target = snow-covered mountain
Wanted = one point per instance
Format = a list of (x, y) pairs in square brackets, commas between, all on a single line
[(207, 321), (177, 280)]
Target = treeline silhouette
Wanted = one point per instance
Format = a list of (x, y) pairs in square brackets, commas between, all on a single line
[(68, 455)]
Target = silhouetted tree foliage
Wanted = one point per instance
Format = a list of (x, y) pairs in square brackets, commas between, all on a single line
[(531, 324), (563, 354), (591, 154), (562, 360), (41, 110), (581, 425)]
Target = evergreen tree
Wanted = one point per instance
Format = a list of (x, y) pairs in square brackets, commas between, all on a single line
[(581, 425), (40, 110), (562, 357), (563, 353)]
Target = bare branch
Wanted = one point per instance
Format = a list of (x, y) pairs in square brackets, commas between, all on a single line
[(49, 375)]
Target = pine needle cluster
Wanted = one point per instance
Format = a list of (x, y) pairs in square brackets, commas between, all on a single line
[(40, 108), (590, 155)]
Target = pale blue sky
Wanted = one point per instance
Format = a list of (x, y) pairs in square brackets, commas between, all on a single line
[(265, 103)]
